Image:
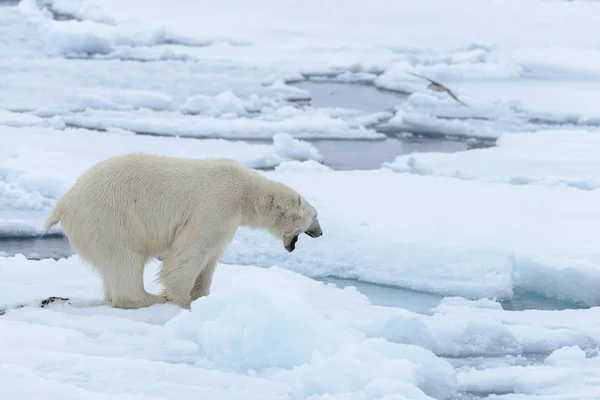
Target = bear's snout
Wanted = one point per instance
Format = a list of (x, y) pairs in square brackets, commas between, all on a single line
[(314, 234), (314, 230)]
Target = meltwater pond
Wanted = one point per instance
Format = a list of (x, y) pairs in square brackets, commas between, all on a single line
[(420, 302), (355, 154)]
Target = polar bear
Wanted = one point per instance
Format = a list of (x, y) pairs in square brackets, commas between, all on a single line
[(125, 210)]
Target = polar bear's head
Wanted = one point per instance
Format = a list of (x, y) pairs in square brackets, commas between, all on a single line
[(291, 215)]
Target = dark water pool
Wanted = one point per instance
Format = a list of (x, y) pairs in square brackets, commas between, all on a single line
[(349, 155), (361, 97), (367, 154)]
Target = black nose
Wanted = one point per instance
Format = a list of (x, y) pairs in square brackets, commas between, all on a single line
[(313, 234)]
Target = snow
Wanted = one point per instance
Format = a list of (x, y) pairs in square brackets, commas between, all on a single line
[(266, 333), (196, 100), (567, 373), (270, 332), (531, 73), (17, 120), (548, 158), (304, 124), (438, 234), (565, 356)]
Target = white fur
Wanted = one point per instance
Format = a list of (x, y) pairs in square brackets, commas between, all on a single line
[(127, 209)]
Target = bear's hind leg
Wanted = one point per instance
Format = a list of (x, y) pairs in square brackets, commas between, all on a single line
[(95, 264), (106, 290), (123, 275)]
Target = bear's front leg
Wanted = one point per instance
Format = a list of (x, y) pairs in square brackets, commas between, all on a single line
[(204, 280), (179, 270)]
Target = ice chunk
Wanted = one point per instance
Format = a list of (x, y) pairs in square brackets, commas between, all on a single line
[(347, 371), (224, 103), (568, 355), (290, 148), (563, 381), (550, 158), (304, 124), (573, 279)]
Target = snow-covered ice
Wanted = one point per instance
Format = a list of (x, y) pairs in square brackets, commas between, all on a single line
[(436, 234), (549, 158), (272, 333), (440, 234), (266, 333), (207, 100), (534, 72), (570, 371), (305, 124)]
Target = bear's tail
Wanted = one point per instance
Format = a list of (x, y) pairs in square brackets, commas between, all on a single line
[(55, 216)]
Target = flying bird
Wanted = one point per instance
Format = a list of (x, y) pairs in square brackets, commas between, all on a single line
[(437, 87)]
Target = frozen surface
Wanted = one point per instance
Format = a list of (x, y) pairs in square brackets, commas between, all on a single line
[(570, 371), (212, 99), (438, 234), (301, 123), (263, 334), (529, 70), (549, 158), (271, 333), (437, 115)]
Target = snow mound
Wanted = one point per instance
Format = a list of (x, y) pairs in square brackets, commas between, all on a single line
[(224, 103), (274, 328), (549, 158), (565, 356), (290, 148)]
